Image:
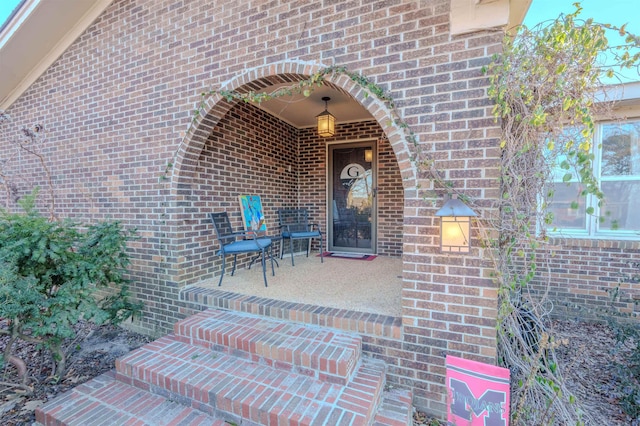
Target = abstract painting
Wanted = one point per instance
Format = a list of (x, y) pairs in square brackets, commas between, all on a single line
[(252, 213)]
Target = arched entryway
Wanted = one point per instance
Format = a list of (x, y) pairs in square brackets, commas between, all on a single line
[(237, 149)]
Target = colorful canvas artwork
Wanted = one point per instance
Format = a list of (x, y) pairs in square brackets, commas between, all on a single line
[(478, 393), (252, 213)]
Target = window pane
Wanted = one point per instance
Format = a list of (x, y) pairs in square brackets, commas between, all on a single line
[(567, 140), (622, 205), (565, 217), (558, 172), (621, 149)]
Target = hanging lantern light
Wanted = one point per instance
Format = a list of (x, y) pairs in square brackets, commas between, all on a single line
[(326, 121), (455, 226)]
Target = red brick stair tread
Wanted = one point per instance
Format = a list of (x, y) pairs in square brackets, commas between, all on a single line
[(251, 390), (241, 368), (307, 349), (106, 401), (396, 409)]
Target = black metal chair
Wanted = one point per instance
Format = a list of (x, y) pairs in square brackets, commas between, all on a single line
[(230, 243), (294, 225)]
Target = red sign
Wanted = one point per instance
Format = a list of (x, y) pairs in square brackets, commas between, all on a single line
[(478, 393)]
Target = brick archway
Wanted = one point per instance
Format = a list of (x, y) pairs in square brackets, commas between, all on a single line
[(189, 264), (290, 71)]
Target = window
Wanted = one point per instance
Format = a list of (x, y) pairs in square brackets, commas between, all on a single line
[(617, 169)]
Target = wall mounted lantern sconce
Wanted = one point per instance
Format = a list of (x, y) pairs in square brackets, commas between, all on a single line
[(368, 155), (455, 226), (326, 121)]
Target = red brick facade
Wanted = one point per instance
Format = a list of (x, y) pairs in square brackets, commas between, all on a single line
[(117, 105), (590, 279)]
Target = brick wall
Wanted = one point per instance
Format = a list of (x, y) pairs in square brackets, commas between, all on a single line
[(117, 105), (237, 161), (578, 278)]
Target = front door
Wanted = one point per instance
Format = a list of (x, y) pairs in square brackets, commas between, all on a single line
[(352, 197)]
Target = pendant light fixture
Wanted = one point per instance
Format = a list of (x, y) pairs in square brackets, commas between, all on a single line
[(326, 121)]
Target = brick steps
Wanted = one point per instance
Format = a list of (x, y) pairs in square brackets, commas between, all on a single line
[(227, 385), (228, 366), (395, 409), (318, 352), (104, 400)]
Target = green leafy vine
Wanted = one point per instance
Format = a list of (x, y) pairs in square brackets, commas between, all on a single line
[(305, 87), (545, 88)]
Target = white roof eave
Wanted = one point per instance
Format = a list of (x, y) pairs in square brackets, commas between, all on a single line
[(37, 34)]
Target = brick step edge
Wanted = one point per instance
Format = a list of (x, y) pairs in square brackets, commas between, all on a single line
[(310, 350), (221, 385), (104, 400), (396, 409)]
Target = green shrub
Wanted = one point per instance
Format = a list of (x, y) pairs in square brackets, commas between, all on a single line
[(53, 274)]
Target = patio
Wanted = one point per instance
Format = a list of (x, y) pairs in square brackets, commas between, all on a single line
[(356, 285)]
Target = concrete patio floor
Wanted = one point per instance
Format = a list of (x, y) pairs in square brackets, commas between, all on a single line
[(373, 286)]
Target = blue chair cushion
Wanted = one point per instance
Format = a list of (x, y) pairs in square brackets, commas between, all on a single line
[(302, 234), (245, 246)]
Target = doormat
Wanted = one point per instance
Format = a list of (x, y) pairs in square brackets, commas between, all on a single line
[(352, 256)]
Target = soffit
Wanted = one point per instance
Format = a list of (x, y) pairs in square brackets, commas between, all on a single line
[(301, 111), (37, 34), (468, 16)]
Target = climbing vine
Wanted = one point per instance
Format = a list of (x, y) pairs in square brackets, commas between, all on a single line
[(30, 141), (545, 90), (305, 87)]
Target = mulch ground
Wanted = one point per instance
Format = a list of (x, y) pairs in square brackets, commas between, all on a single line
[(586, 357), (93, 353)]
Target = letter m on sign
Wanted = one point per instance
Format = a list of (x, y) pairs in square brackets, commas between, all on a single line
[(478, 393)]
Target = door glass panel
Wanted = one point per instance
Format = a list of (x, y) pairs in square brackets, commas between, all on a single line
[(352, 198)]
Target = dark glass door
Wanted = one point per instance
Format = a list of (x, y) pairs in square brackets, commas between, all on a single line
[(352, 197)]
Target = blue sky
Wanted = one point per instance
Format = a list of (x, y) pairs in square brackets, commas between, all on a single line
[(6, 7), (615, 12)]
